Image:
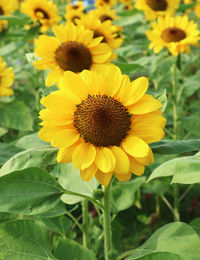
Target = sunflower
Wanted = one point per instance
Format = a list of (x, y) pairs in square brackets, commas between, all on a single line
[(78, 6), (6, 79), (74, 49), (175, 33), (103, 3), (7, 8), (105, 29), (73, 16), (105, 13), (155, 8), (102, 123), (43, 11)]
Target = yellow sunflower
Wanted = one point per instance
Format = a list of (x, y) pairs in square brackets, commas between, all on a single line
[(78, 6), (73, 49), (102, 123), (174, 33), (155, 8), (7, 8), (103, 3), (43, 11), (6, 79), (105, 13), (105, 29), (73, 16)]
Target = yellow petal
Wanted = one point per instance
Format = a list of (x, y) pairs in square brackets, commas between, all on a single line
[(65, 137), (105, 160), (145, 105), (65, 154), (123, 177), (88, 173), (112, 81), (122, 162), (83, 156), (147, 159), (53, 77), (103, 178), (136, 168), (135, 146)]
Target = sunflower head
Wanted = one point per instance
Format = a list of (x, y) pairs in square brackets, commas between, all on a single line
[(77, 6), (102, 29), (74, 16), (102, 123), (43, 11), (105, 13), (6, 79), (7, 8), (174, 33), (102, 3), (155, 8), (73, 49)]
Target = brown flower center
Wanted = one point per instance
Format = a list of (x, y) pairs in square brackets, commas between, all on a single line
[(173, 34), (157, 5), (102, 120), (75, 7), (105, 17), (98, 34), (41, 14), (73, 19), (1, 11), (73, 56)]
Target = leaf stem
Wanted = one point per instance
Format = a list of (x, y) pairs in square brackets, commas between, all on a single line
[(85, 223), (69, 214)]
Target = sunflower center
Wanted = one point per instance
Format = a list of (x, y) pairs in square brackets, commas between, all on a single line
[(41, 14), (73, 56), (1, 11), (75, 7), (98, 34), (157, 5), (173, 34), (73, 19), (102, 120), (105, 17)]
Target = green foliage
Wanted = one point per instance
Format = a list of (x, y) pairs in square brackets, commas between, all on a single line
[(7, 151)]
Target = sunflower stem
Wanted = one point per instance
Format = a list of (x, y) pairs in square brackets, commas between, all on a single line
[(107, 222), (85, 223)]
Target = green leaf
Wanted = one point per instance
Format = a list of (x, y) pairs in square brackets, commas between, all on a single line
[(25, 240), (127, 68), (184, 7), (69, 178), (31, 141), (176, 147), (184, 170), (125, 190), (3, 131), (7, 151), (195, 224), (132, 19), (176, 238), (161, 256), (68, 249), (15, 115), (30, 192), (36, 157), (57, 211)]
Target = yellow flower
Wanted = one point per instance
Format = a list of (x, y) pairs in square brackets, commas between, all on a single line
[(78, 6), (6, 79), (73, 16), (174, 33), (155, 8), (103, 3), (74, 49), (7, 8), (105, 13), (43, 11), (102, 123), (105, 29)]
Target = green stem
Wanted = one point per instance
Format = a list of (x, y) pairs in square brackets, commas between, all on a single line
[(85, 223), (122, 256), (107, 222), (176, 202), (69, 214)]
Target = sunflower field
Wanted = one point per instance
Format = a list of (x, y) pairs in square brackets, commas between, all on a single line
[(99, 130)]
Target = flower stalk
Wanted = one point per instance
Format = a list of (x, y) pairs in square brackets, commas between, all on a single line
[(85, 223)]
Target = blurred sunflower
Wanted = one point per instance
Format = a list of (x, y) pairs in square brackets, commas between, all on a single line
[(105, 13), (103, 3), (74, 49), (174, 33), (78, 6), (102, 123), (73, 16), (43, 11), (6, 79), (7, 8), (155, 8), (105, 29), (196, 8)]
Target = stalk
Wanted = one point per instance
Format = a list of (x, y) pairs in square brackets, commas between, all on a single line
[(85, 223)]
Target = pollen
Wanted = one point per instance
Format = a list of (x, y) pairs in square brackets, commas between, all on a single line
[(102, 120), (73, 56)]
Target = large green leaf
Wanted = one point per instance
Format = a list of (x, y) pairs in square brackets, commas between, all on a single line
[(185, 170), (30, 141), (161, 256), (31, 191), (125, 190), (68, 249), (16, 115), (195, 224), (127, 68), (25, 240), (70, 180), (36, 157), (176, 238), (7, 151), (132, 19), (176, 147)]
